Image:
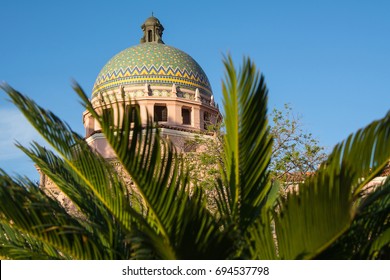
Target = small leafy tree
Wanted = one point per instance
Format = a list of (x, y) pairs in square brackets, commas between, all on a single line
[(327, 217), (204, 160), (296, 154)]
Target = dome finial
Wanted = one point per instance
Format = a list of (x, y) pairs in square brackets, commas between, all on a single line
[(153, 31)]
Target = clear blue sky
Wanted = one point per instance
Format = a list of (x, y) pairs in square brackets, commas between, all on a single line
[(329, 59)]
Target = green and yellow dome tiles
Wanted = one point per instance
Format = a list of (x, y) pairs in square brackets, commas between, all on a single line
[(154, 64)]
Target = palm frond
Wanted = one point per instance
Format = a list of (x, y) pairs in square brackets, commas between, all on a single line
[(162, 181), (261, 238), (325, 205), (247, 144), (368, 236), (328, 215), (21, 246), (90, 167), (87, 206), (311, 218), (26, 211), (367, 151)]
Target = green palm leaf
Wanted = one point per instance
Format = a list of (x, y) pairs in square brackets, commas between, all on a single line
[(21, 246), (88, 207), (27, 213), (309, 219), (181, 220), (367, 151), (261, 239), (368, 237), (325, 205), (92, 170), (165, 216), (247, 144)]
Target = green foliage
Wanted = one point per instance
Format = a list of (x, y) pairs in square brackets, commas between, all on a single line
[(328, 216), (296, 154), (203, 157), (368, 236)]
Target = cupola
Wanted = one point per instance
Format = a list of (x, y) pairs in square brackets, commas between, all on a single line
[(153, 31)]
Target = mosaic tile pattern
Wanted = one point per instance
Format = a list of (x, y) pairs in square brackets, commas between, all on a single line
[(155, 64)]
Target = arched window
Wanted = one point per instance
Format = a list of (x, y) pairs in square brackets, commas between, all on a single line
[(132, 111), (150, 36), (108, 114), (206, 120), (160, 113), (186, 115), (90, 126)]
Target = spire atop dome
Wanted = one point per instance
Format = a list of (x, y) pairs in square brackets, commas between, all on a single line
[(153, 31)]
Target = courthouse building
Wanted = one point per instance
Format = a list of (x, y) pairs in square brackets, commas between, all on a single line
[(163, 81)]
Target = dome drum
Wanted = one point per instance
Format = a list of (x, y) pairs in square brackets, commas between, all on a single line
[(158, 91), (199, 115)]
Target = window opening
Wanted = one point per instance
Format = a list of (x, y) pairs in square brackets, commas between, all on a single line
[(186, 115), (132, 110), (206, 120), (160, 113)]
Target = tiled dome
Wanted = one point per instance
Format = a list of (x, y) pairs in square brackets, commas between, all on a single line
[(154, 64)]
